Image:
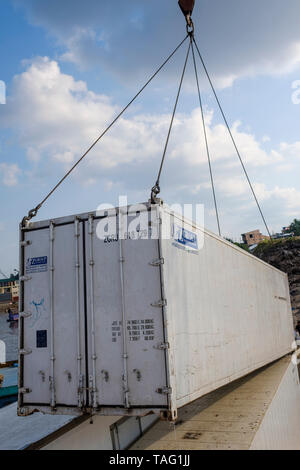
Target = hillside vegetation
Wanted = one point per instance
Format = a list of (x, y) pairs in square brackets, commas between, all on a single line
[(284, 254)]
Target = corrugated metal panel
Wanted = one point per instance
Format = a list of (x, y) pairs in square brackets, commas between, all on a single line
[(230, 313), (52, 376), (160, 322)]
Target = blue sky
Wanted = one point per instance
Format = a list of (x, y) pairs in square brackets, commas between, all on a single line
[(69, 66)]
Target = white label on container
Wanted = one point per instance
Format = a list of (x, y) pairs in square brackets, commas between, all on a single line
[(37, 265), (185, 239)]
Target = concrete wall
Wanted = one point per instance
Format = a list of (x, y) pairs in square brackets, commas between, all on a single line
[(106, 433), (86, 436), (280, 428)]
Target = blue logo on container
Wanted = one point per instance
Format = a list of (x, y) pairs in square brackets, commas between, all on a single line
[(185, 238), (37, 265)]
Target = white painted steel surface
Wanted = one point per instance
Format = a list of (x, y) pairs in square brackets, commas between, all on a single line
[(141, 324), (229, 314), (60, 381), (127, 327)]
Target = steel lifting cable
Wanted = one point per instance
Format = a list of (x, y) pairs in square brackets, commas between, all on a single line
[(32, 213), (206, 143), (156, 188), (233, 139)]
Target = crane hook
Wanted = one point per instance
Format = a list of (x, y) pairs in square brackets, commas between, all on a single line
[(187, 7)]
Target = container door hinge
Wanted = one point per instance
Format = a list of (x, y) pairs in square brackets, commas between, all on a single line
[(159, 304), (157, 262), (24, 391), (163, 346), (25, 243), (25, 352), (164, 391), (25, 278), (24, 411), (25, 315)]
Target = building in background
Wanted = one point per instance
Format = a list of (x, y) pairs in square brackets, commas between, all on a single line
[(9, 289), (253, 238), (285, 233)]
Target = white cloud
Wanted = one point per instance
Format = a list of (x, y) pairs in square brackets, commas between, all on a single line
[(237, 40), (291, 196), (291, 150), (65, 117), (9, 174)]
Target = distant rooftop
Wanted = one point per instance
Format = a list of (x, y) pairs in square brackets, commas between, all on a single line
[(12, 278)]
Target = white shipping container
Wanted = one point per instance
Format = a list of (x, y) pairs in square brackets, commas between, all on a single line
[(137, 321)]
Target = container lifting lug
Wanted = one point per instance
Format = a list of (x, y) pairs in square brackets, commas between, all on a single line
[(154, 193)]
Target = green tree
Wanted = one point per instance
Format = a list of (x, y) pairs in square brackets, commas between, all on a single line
[(241, 245), (295, 227)]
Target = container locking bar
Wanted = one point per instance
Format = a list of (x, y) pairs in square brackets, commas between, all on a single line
[(124, 317), (78, 312), (93, 383), (52, 352)]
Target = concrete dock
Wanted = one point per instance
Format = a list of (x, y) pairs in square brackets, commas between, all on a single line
[(240, 416)]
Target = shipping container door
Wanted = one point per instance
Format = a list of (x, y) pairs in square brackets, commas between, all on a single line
[(53, 339), (104, 303), (144, 321), (126, 353)]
